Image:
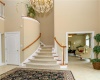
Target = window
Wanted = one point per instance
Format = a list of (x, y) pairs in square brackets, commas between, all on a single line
[(87, 40), (1, 10)]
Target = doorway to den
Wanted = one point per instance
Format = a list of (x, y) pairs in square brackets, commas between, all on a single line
[(80, 44)]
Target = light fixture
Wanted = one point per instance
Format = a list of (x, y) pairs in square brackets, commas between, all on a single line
[(42, 6), (69, 35)]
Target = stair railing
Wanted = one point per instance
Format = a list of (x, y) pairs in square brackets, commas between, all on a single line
[(2, 9), (63, 47), (32, 43)]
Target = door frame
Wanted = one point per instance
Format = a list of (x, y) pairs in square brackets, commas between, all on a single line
[(80, 32), (6, 45)]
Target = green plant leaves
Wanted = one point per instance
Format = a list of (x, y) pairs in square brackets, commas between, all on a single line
[(95, 60), (31, 12), (97, 37), (96, 49)]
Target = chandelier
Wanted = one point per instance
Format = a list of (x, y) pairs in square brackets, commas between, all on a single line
[(42, 6)]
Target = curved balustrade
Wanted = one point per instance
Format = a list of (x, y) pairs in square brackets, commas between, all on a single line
[(32, 43), (63, 47)]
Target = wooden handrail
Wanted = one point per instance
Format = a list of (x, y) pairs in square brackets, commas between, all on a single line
[(58, 43), (2, 3), (63, 50), (32, 43)]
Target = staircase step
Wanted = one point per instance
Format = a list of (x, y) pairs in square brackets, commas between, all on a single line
[(43, 61), (45, 50), (43, 66), (43, 53), (44, 57), (46, 47)]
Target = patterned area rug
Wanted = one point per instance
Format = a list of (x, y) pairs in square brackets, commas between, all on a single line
[(35, 74)]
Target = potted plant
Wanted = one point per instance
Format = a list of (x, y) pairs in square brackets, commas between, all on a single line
[(31, 12), (96, 50)]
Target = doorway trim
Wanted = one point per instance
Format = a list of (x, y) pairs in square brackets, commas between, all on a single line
[(80, 32), (6, 45)]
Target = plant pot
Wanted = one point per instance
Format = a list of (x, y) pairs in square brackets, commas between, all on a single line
[(96, 65)]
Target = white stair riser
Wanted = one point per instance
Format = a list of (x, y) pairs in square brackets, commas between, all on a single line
[(45, 51), (43, 57), (43, 67), (49, 54), (46, 47), (47, 62), (59, 62), (56, 58)]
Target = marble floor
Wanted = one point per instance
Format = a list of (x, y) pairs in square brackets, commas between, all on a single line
[(81, 69)]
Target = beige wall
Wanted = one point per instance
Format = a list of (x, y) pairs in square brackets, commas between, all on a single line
[(13, 20), (31, 32), (46, 24), (99, 20), (47, 27), (75, 15), (77, 40), (14, 10), (1, 25), (2, 36), (69, 15)]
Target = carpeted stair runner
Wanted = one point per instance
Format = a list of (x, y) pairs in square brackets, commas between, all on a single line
[(43, 60)]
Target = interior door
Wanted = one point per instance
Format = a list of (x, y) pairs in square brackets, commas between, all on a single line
[(12, 47)]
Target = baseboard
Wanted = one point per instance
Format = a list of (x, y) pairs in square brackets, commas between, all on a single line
[(63, 66), (2, 64), (30, 57), (42, 43)]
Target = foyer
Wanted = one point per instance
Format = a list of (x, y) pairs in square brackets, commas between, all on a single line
[(81, 70)]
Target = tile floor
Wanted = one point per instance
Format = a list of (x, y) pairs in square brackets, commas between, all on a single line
[(81, 69)]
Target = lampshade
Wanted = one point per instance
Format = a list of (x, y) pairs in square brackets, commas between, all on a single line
[(42, 6), (70, 35)]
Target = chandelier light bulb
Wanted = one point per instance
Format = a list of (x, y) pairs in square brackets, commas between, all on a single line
[(42, 6)]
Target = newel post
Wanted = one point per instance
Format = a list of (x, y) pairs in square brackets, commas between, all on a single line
[(63, 55)]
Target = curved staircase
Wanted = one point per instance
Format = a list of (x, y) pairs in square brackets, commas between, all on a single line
[(43, 60)]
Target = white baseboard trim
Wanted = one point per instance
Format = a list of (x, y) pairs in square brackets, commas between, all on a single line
[(2, 64), (30, 57), (42, 43), (63, 66)]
